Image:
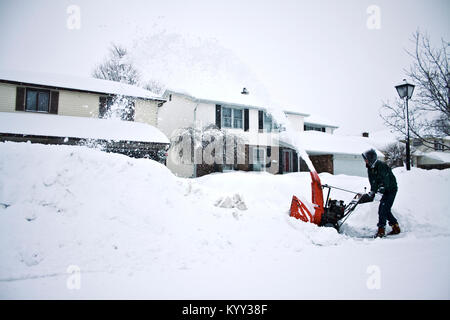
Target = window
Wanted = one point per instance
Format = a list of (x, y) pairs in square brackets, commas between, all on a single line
[(313, 128), (227, 167), (37, 100), (237, 118), (416, 143), (438, 145), (268, 123), (259, 159), (232, 118)]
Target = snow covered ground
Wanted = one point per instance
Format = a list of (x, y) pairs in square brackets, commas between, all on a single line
[(134, 230)]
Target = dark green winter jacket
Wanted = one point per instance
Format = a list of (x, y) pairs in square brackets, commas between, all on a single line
[(381, 176)]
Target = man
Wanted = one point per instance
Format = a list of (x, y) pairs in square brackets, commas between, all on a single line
[(383, 181)]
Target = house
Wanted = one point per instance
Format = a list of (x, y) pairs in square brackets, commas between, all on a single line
[(61, 109), (265, 147), (432, 155), (240, 116), (336, 154)]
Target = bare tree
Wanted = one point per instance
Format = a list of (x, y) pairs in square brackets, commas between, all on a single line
[(192, 144), (155, 86), (395, 154), (117, 67), (429, 111)]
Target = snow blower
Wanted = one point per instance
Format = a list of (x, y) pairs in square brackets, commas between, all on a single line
[(329, 214)]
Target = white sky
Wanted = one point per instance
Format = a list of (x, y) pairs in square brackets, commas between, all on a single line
[(313, 56)]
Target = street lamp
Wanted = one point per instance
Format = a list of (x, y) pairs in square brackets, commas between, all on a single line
[(405, 91)]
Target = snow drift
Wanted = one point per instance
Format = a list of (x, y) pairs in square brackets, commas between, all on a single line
[(136, 230)]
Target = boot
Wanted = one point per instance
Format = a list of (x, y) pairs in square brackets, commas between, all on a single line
[(395, 229), (380, 233)]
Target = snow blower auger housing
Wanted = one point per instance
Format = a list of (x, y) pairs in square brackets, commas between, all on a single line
[(329, 214)]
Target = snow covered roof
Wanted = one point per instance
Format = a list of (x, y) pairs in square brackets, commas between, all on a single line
[(78, 83), (442, 157), (231, 97), (318, 120), (78, 127), (289, 111), (315, 142)]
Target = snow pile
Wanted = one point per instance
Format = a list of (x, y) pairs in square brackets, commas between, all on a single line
[(135, 230), (234, 201), (79, 127)]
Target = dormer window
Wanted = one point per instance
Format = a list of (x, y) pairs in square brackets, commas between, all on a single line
[(308, 127)]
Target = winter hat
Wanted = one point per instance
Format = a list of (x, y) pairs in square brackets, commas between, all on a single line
[(370, 156)]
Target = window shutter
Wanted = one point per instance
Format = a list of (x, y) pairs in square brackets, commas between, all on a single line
[(246, 120), (218, 116), (260, 120), (280, 160), (102, 107), (54, 101), (295, 162), (20, 99)]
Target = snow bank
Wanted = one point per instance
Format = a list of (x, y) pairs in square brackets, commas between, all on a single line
[(135, 230), (79, 127)]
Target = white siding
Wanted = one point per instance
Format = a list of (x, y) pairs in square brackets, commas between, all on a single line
[(175, 114), (146, 111), (329, 130), (296, 121), (78, 104), (7, 97)]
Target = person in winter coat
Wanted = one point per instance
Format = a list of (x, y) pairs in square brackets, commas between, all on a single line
[(383, 181)]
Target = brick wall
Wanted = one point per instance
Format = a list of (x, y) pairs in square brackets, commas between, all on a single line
[(323, 163)]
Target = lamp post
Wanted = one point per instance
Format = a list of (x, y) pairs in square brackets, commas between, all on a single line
[(405, 91)]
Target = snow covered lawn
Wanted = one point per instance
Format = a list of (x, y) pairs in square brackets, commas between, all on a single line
[(134, 230)]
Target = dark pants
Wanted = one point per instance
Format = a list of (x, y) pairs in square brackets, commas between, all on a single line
[(384, 210)]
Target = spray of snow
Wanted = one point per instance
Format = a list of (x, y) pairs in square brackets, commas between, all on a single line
[(203, 68), (194, 65)]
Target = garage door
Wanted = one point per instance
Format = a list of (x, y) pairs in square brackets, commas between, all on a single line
[(349, 164)]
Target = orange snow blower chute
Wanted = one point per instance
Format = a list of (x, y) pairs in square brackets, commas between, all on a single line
[(300, 211)]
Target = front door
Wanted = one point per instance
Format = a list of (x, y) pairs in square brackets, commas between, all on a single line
[(287, 161)]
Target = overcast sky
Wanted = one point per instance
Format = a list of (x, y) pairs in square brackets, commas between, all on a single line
[(334, 59)]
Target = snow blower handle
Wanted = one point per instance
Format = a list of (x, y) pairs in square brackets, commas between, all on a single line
[(328, 186)]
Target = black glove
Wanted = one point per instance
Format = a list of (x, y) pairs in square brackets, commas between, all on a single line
[(367, 197)]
